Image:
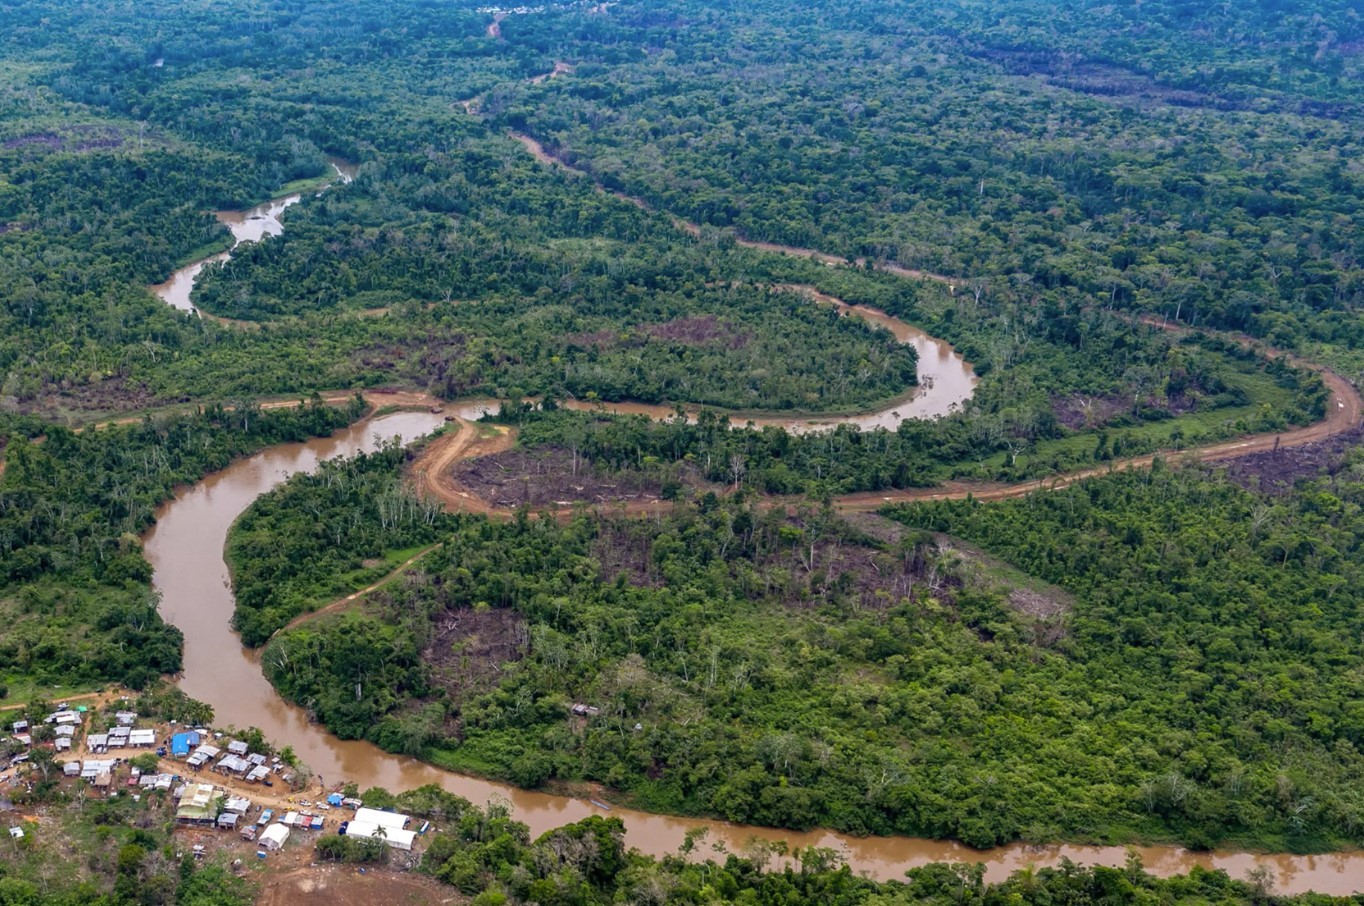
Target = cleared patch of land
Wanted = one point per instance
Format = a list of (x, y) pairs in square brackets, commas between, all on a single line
[(346, 885)]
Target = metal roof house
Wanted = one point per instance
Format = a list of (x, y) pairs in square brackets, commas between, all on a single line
[(181, 743), (199, 805), (92, 768), (233, 764)]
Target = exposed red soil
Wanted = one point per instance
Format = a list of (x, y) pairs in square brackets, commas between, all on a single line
[(433, 470), (560, 68), (347, 885)]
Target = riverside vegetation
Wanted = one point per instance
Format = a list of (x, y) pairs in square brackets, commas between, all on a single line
[(1187, 674), (127, 857)]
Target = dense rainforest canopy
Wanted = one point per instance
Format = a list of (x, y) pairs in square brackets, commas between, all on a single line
[(1138, 222)]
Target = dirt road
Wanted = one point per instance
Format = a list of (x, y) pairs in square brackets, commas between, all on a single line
[(1344, 411), (341, 604), (433, 469)]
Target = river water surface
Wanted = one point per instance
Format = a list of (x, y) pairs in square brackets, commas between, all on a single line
[(185, 549), (251, 225)]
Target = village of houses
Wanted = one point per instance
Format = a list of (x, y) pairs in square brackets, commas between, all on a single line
[(216, 782)]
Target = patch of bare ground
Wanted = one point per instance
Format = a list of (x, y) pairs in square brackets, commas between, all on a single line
[(796, 566), (696, 330), (1080, 412), (345, 885), (887, 531), (115, 394), (548, 477), (1042, 605), (435, 363), (79, 138), (1277, 471), (469, 646)]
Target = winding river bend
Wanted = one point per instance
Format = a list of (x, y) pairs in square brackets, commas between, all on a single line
[(251, 225), (185, 548)]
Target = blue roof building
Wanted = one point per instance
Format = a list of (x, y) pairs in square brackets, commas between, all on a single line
[(181, 743)]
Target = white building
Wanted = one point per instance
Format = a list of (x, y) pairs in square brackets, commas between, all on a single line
[(389, 820), (273, 837), (387, 826)]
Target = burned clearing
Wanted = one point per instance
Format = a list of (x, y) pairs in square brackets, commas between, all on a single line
[(1277, 471), (469, 645), (552, 476)]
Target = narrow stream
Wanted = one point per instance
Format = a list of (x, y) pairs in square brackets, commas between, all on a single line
[(251, 225)]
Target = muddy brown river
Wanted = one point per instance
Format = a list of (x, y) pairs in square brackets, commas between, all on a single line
[(185, 548), (186, 551), (251, 225)]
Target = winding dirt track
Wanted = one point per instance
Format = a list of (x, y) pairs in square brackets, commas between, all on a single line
[(433, 470), (537, 150), (342, 603)]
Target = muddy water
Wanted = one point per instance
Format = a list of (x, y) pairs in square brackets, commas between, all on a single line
[(946, 382), (251, 225), (185, 549)]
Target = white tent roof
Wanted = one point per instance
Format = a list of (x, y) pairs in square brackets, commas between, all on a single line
[(395, 837), (387, 820), (274, 834)]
